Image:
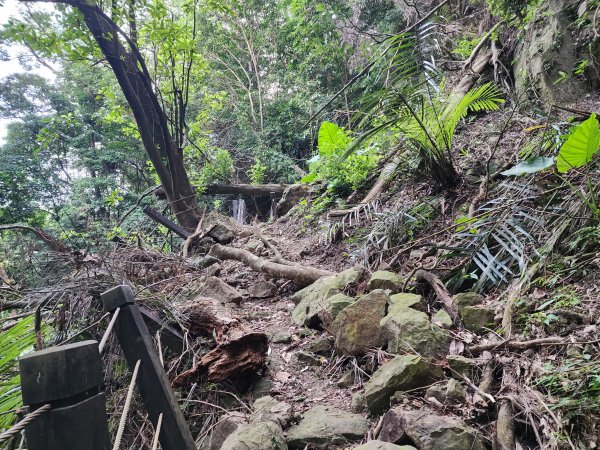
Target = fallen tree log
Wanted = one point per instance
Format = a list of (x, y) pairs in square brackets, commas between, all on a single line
[(241, 356), (165, 221), (50, 241), (249, 190), (298, 274)]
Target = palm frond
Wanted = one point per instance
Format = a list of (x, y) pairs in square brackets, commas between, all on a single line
[(504, 236)]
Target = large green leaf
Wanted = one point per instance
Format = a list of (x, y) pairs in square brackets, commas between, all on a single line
[(580, 147), (530, 165), (331, 139)]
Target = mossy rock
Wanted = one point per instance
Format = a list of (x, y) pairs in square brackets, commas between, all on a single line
[(402, 373), (408, 330), (389, 281), (357, 326), (315, 301)]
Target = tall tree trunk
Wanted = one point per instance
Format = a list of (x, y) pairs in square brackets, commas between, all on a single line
[(134, 79)]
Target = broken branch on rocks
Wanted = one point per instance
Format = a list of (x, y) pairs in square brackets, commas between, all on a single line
[(442, 294)]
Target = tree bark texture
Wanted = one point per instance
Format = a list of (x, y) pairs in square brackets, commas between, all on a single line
[(134, 79)]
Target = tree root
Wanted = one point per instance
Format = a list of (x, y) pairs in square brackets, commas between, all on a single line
[(298, 274), (505, 427), (510, 344)]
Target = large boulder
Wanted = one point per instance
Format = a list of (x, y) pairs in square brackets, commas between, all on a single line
[(357, 326), (268, 409), (256, 436), (380, 445), (315, 301), (407, 330), (402, 373), (382, 279), (547, 54), (216, 288), (429, 431), (327, 427)]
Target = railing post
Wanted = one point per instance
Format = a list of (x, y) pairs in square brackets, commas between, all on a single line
[(69, 378), (153, 384)]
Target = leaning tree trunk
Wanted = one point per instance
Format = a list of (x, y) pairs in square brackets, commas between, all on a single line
[(134, 79)]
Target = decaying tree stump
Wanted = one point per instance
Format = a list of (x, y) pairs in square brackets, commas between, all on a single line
[(242, 355)]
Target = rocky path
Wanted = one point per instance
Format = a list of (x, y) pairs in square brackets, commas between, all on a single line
[(328, 384)]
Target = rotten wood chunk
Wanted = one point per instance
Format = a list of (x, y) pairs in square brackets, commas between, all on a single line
[(241, 356), (206, 316)]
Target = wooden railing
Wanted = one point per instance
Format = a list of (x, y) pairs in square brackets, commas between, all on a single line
[(63, 388)]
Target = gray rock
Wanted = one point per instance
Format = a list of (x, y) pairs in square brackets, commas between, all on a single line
[(358, 403), (199, 262), (548, 50), (308, 358), (312, 302), (406, 300), (281, 338), (337, 303), (443, 319), (327, 427), (467, 299), (215, 288), (262, 387), (262, 289), (256, 436), (478, 318), (408, 330), (455, 391), (452, 390), (380, 445), (437, 391), (399, 374), (320, 346), (429, 431), (475, 315), (461, 365), (357, 326), (226, 425), (268, 409), (253, 245), (348, 379), (383, 279), (221, 233)]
